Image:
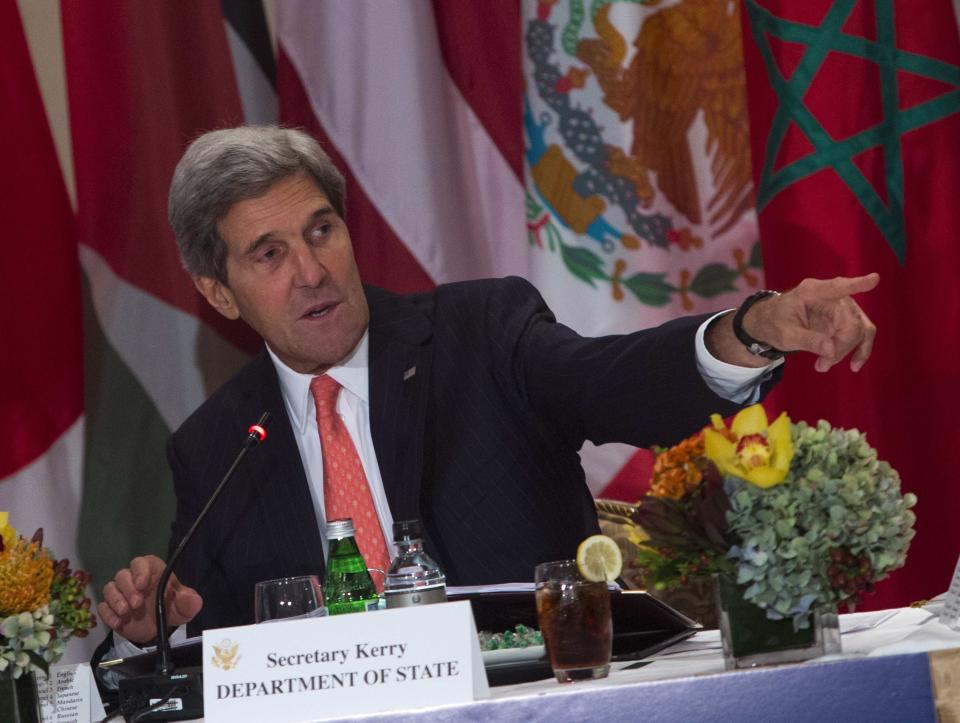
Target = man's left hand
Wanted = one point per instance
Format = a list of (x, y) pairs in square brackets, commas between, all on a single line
[(817, 316)]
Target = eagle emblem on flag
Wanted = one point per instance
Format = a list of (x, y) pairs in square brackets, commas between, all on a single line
[(638, 151)]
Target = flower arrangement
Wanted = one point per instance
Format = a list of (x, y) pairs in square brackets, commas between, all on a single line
[(802, 518), (42, 603)]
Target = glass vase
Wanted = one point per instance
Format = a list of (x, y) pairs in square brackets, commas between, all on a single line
[(19, 699), (751, 639)]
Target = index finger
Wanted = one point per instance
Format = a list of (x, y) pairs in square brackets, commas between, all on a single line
[(847, 285)]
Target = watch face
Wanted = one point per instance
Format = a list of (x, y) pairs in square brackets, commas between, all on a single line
[(767, 352)]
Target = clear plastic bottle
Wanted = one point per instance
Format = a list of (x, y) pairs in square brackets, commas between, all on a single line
[(414, 578), (347, 587)]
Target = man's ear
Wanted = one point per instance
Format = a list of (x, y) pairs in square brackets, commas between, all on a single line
[(219, 296)]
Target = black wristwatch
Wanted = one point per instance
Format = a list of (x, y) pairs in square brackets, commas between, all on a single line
[(758, 348)]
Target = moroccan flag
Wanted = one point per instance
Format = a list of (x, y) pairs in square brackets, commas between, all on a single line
[(855, 124), (41, 364)]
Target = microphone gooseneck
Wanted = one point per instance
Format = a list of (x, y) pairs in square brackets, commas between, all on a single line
[(255, 434)]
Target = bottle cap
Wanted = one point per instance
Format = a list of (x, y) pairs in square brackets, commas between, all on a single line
[(338, 529), (407, 528)]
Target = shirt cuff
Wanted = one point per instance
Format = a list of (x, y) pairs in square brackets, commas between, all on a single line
[(732, 382), (123, 648)]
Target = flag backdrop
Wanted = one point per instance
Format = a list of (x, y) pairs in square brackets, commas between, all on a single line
[(600, 149), (41, 363), (621, 186), (855, 116)]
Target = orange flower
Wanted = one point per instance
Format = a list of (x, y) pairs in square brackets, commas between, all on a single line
[(675, 471), (26, 571)]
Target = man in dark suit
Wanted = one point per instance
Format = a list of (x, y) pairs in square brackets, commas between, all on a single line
[(466, 405)]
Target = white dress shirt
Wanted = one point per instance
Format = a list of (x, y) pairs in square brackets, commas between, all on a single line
[(730, 381), (353, 406)]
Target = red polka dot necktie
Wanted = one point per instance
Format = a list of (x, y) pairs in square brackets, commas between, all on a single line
[(346, 492)]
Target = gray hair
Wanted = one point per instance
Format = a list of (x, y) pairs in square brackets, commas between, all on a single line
[(223, 167)]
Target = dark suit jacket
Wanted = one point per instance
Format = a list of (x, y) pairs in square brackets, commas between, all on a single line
[(480, 442)]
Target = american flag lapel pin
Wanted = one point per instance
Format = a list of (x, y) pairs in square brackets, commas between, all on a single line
[(409, 373)]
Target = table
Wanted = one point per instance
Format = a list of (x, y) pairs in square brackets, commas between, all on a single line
[(897, 665)]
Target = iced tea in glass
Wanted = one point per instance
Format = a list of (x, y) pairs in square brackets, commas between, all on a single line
[(575, 621)]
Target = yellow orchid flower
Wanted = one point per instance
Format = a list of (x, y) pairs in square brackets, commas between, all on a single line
[(7, 532), (759, 453)]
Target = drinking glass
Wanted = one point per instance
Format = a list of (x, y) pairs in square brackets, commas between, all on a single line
[(288, 597), (575, 621)]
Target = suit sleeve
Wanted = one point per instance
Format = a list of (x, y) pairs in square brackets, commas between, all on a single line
[(642, 388)]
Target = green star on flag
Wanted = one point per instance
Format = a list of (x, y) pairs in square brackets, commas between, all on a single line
[(818, 41), (855, 134)]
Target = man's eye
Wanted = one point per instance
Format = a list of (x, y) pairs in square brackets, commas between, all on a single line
[(321, 230), (269, 254)]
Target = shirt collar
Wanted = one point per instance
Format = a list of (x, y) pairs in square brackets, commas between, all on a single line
[(353, 374)]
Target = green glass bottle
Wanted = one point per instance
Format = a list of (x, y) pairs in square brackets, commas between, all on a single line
[(348, 587)]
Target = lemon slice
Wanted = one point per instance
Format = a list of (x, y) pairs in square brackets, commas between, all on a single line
[(599, 559)]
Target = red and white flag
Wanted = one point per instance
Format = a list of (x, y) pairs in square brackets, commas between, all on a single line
[(41, 405), (42, 362)]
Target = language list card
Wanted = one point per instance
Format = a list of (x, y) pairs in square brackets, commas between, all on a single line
[(69, 695), (951, 607)]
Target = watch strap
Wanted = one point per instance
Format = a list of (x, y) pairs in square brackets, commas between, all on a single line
[(754, 346)]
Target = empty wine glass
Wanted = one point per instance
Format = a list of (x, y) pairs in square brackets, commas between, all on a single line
[(288, 597)]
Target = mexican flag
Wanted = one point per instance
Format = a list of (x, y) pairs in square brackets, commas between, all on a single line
[(855, 121), (603, 155)]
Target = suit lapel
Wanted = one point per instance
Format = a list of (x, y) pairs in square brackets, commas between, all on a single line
[(400, 358), (277, 472)]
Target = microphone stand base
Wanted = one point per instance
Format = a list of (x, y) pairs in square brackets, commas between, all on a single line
[(184, 688)]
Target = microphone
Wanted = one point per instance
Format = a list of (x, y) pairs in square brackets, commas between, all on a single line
[(165, 683), (255, 434)]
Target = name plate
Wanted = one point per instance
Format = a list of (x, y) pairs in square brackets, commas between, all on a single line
[(345, 665)]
